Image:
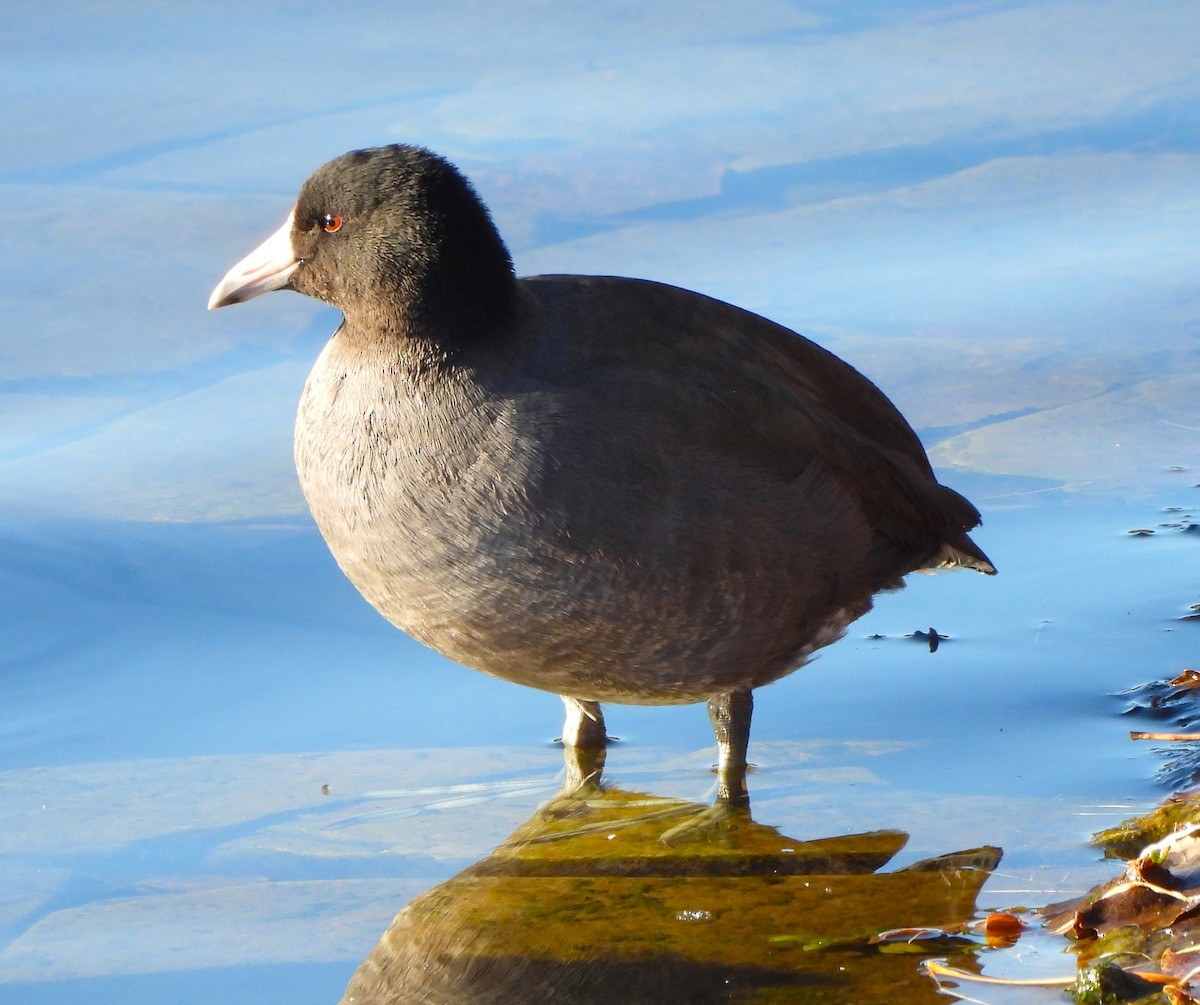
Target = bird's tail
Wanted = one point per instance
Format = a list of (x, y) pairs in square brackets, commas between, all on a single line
[(963, 553)]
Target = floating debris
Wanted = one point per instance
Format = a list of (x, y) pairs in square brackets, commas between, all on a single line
[(932, 637), (1174, 707), (1137, 937)]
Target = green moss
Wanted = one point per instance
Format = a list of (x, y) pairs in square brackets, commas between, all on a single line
[(1107, 983), (1127, 839)]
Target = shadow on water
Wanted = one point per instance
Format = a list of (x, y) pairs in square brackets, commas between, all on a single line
[(608, 895)]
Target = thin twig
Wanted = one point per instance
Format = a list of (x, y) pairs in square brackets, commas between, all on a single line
[(936, 969), (1135, 735)]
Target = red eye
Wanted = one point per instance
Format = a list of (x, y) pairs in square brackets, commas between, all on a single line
[(331, 222)]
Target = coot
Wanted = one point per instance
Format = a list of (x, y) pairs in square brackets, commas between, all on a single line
[(607, 488)]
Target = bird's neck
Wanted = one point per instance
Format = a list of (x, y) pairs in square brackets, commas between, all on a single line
[(442, 312)]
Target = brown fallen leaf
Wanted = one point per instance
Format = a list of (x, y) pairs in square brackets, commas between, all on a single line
[(1182, 964), (1132, 903), (1177, 996)]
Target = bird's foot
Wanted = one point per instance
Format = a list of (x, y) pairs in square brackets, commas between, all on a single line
[(711, 825)]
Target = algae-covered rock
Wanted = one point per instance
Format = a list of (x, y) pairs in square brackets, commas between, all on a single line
[(1129, 837), (1108, 983)]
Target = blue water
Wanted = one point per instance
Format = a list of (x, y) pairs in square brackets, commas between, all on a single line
[(990, 209)]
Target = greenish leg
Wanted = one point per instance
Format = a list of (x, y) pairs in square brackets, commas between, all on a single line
[(730, 716)]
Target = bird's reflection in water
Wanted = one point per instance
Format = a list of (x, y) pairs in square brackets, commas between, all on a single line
[(587, 903)]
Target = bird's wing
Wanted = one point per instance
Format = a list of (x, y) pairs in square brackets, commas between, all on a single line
[(756, 393)]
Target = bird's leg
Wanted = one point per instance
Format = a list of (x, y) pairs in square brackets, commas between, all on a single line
[(584, 725), (584, 743), (730, 716)]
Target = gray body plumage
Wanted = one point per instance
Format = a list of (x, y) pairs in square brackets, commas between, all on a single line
[(563, 516)]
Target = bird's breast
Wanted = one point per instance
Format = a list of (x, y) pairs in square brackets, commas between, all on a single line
[(413, 482)]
